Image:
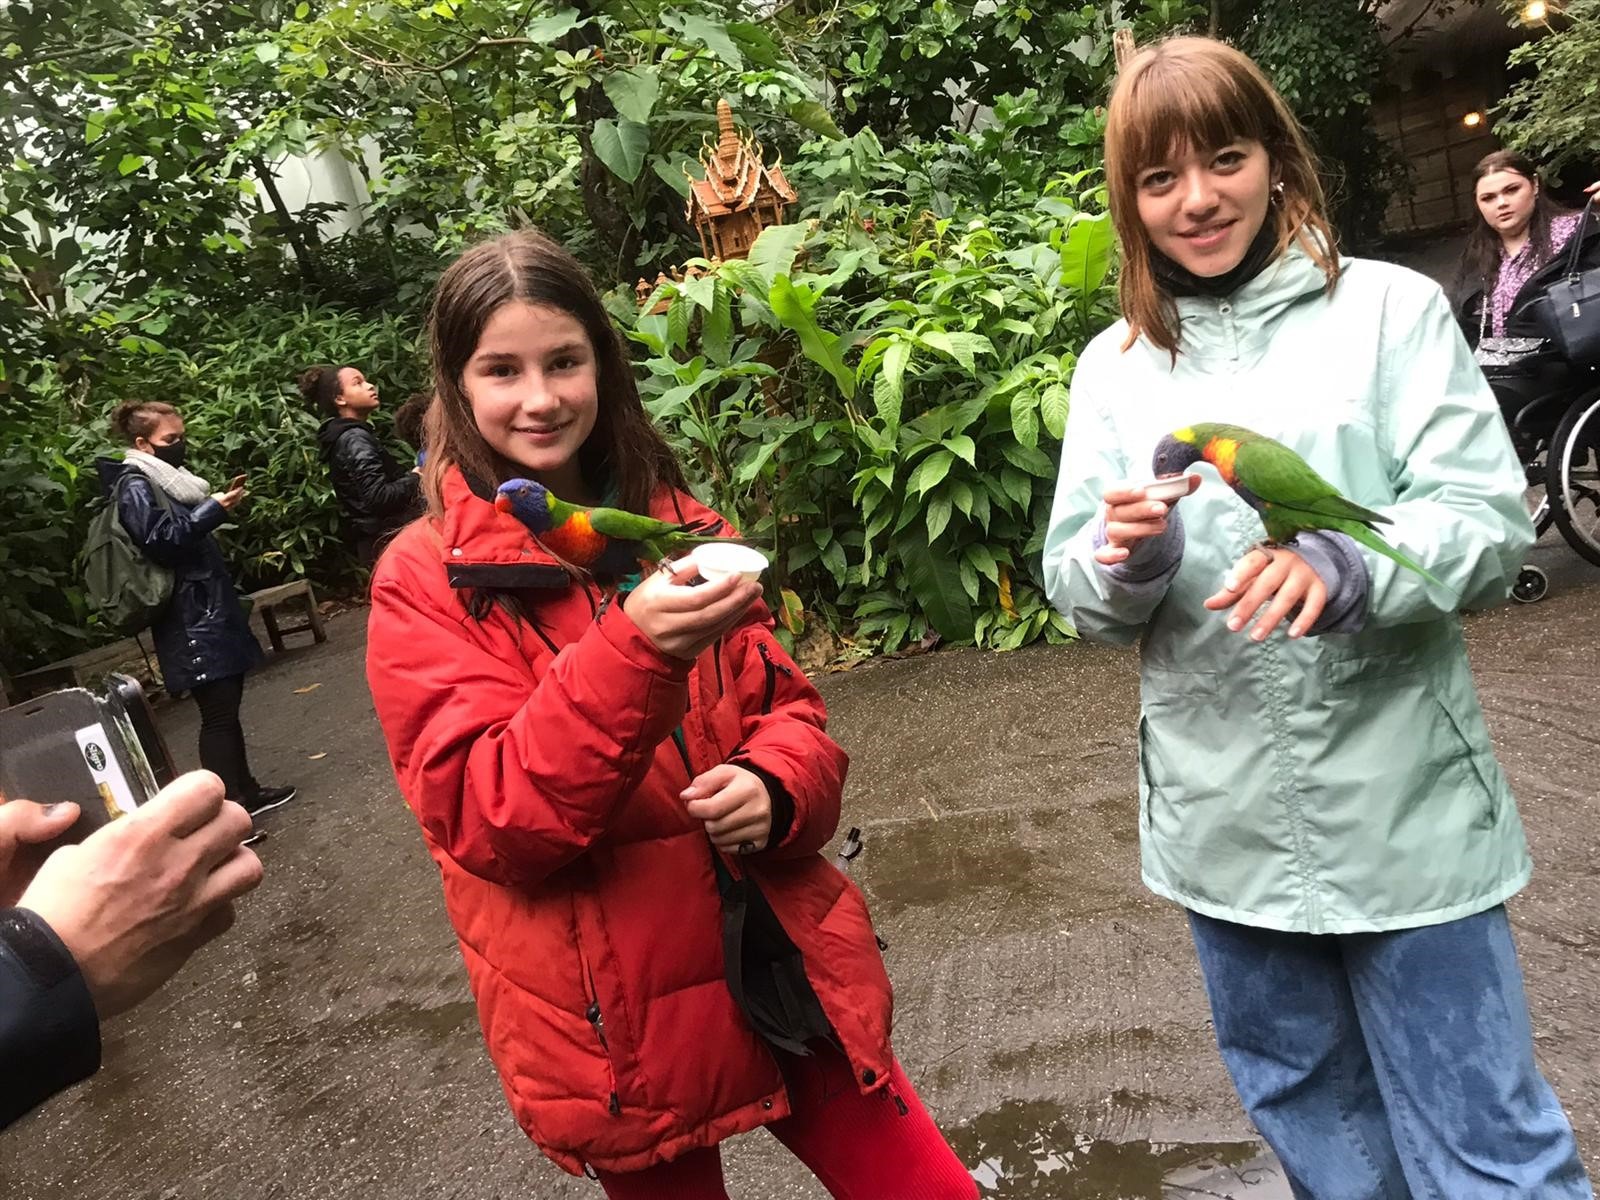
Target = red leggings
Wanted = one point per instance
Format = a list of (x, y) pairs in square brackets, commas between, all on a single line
[(860, 1147)]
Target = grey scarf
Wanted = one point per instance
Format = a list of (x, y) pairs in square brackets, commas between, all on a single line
[(181, 484)]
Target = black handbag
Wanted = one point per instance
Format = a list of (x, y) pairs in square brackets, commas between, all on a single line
[(1575, 304), (765, 973)]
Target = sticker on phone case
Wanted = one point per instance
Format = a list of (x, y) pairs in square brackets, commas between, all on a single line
[(112, 784)]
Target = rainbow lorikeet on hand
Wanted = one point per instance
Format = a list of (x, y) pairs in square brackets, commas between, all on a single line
[(1286, 493), (600, 540)]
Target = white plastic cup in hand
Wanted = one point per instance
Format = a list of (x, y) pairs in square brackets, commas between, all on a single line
[(718, 560), (1168, 489)]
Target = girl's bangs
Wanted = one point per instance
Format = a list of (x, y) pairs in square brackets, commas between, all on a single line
[(1175, 104)]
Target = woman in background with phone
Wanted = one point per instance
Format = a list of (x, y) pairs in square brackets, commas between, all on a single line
[(203, 639)]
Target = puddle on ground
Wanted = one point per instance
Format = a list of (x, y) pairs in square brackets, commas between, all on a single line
[(1026, 1149)]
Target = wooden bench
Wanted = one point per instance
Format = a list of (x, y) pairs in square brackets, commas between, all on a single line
[(268, 600), (81, 670)]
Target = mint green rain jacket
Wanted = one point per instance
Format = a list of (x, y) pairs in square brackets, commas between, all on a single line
[(1340, 783)]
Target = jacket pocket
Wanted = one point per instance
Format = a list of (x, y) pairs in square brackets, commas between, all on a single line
[(597, 1021), (769, 690), (1459, 729)]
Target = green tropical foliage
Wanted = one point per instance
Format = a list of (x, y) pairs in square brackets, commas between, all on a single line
[(1552, 112), (877, 394)]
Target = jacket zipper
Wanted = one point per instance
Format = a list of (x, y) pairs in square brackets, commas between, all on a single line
[(772, 677), (899, 1101), (597, 1022)]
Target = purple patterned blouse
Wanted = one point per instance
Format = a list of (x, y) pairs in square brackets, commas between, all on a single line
[(1519, 268)]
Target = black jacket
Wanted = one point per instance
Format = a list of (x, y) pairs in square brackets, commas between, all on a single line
[(1529, 315), (49, 1031), (203, 635), (378, 494)]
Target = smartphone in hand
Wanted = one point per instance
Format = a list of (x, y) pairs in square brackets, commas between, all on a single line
[(103, 752)]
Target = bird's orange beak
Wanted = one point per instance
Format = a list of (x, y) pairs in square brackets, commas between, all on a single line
[(502, 502)]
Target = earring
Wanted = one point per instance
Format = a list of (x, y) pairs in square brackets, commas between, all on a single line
[(1277, 191)]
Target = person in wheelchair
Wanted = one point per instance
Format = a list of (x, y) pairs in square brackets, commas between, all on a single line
[(1512, 256)]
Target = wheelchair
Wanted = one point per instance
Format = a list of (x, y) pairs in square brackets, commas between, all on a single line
[(1553, 413)]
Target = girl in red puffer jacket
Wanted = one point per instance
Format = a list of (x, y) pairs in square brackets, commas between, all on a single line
[(613, 781)]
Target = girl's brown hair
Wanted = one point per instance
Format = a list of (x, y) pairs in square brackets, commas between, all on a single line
[(135, 419), (624, 449), (1480, 257), (1195, 91)]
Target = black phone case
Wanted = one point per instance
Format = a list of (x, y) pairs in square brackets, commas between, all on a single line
[(102, 753)]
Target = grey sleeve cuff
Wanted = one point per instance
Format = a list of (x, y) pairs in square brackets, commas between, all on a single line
[(1338, 562), (1152, 563)]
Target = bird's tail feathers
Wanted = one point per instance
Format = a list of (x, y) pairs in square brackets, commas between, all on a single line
[(1376, 544)]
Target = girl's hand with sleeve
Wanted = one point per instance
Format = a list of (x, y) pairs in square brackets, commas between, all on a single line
[(735, 807), (1283, 581), (683, 619), (1131, 518)]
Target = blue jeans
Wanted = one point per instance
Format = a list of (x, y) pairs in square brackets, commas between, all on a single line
[(1390, 1066)]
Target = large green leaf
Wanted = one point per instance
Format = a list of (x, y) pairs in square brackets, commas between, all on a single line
[(930, 472), (1086, 256), (790, 305), (701, 290), (558, 24), (1025, 418), (888, 389), (669, 169), (716, 330), (809, 114), (934, 576), (773, 252), (713, 35), (633, 93), (963, 347), (1053, 407), (621, 146)]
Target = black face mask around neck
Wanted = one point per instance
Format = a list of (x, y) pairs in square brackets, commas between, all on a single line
[(174, 454), (1177, 281)]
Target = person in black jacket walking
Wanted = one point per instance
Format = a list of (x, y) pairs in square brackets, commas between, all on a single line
[(203, 639), (101, 925), (378, 495)]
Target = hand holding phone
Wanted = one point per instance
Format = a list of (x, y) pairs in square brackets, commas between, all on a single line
[(235, 493)]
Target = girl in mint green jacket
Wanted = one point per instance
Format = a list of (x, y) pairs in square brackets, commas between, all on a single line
[(1317, 786)]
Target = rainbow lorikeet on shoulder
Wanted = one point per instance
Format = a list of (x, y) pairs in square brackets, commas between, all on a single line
[(599, 540), (1286, 493)]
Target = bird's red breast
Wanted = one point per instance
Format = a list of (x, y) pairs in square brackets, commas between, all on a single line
[(1220, 453), (576, 541)]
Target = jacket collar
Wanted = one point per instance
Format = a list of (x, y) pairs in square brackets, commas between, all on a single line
[(1237, 327), (483, 547)]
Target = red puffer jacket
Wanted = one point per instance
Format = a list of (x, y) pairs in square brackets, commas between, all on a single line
[(539, 758)]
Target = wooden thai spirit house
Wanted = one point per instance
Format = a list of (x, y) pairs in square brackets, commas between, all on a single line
[(739, 196)]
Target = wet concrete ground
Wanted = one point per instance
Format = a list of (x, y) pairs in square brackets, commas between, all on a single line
[(1049, 1009)]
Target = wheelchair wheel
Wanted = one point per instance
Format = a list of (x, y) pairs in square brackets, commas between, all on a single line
[(1531, 586), (1537, 496), (1573, 478)]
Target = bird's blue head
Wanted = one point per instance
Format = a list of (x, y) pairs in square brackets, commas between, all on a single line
[(1176, 453), (526, 500)]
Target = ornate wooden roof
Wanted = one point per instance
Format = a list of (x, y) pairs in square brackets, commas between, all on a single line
[(735, 177)]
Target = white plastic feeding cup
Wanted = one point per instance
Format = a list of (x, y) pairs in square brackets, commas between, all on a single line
[(718, 560)]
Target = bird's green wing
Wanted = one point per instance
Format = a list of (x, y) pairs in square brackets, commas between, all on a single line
[(627, 526), (1279, 476)]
